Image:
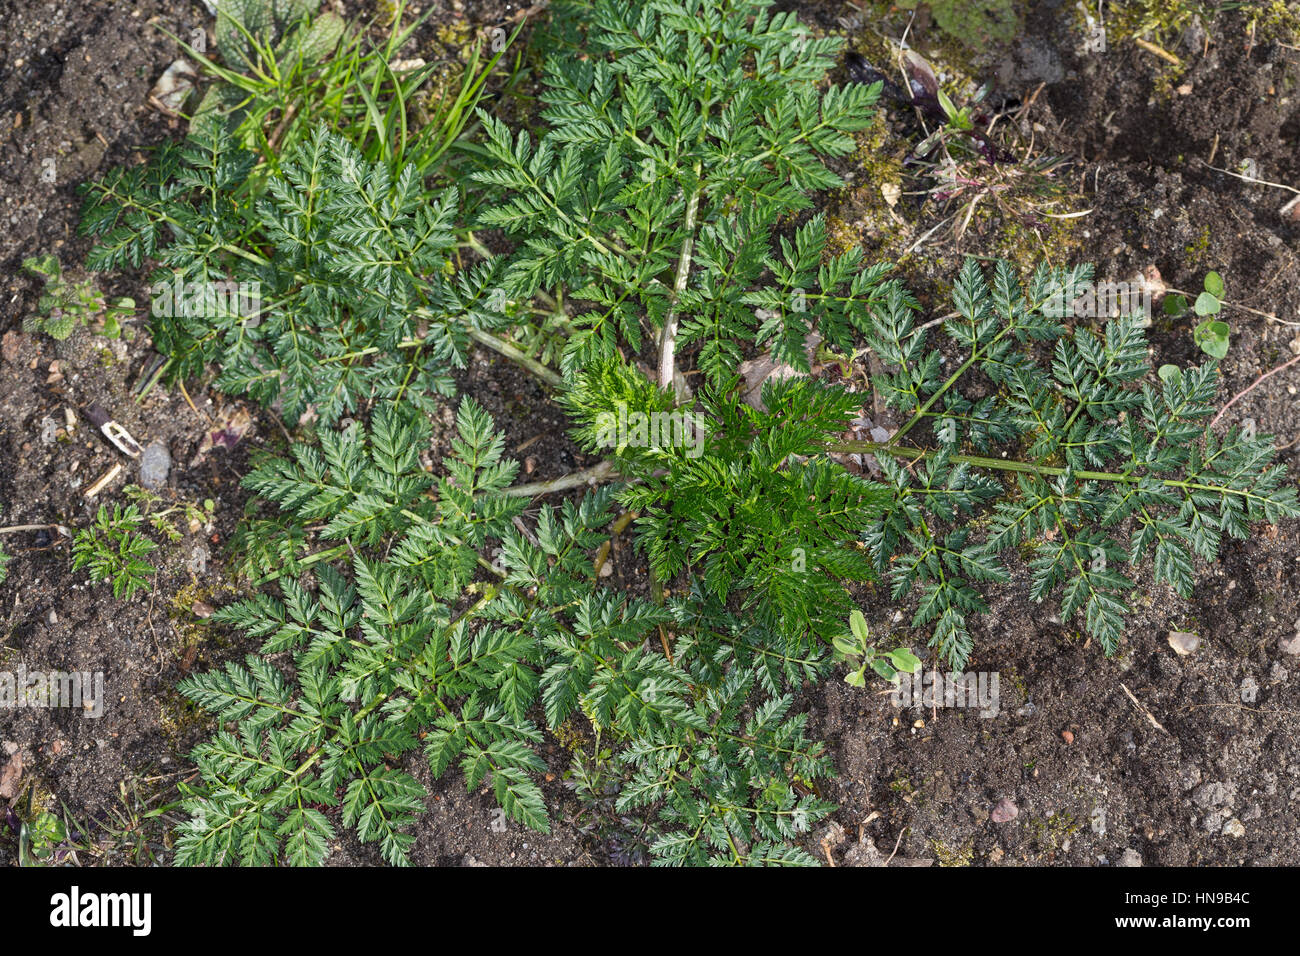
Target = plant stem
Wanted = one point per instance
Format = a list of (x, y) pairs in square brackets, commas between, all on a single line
[(502, 347), (668, 338), (577, 479), (1023, 467), (952, 380)]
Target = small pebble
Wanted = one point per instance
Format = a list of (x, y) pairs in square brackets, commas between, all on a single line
[(155, 465), (1290, 645), (1005, 810)]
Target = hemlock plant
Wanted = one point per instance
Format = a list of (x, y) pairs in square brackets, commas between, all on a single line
[(659, 234), (319, 275), (424, 644)]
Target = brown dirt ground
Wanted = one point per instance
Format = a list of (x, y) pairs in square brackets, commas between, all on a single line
[(79, 96)]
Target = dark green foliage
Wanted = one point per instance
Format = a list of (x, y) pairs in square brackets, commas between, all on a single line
[(744, 500), (652, 201), (422, 643), (672, 151), (113, 549), (1113, 468), (423, 606), (350, 302)]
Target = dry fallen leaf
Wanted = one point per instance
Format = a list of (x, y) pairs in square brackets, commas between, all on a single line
[(757, 371), (11, 776), (173, 87), (231, 427)]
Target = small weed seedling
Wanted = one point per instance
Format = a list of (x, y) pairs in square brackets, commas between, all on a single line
[(284, 71), (854, 647), (113, 549), (1211, 334), (958, 162), (162, 516), (66, 304)]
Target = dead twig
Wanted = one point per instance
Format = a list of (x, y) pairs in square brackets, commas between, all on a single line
[(190, 402), (897, 844), (1244, 178), (1251, 387), (1158, 51), (1253, 710), (104, 480), (578, 479), (826, 848), (15, 528), (1138, 704)]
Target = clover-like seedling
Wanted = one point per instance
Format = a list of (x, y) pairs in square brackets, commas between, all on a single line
[(1212, 334)]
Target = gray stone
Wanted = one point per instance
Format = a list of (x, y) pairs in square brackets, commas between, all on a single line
[(198, 561), (1213, 794), (832, 836), (863, 854), (1098, 821), (1005, 810), (155, 465)]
